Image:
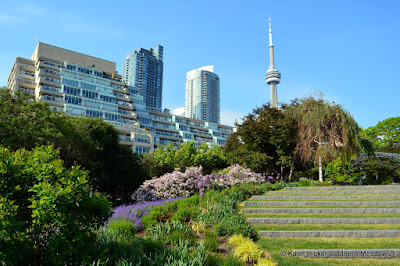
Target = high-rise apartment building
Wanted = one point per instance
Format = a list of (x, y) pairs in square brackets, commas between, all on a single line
[(143, 69), (202, 95), (80, 84)]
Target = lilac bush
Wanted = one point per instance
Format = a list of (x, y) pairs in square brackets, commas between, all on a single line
[(170, 185), (192, 180), (135, 212)]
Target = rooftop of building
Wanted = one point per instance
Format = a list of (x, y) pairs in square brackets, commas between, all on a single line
[(209, 68), (167, 114), (47, 51)]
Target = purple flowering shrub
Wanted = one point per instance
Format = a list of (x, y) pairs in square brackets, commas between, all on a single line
[(170, 185), (135, 212), (192, 180)]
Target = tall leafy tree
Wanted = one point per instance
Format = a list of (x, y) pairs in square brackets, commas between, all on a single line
[(47, 214), (168, 158), (324, 129), (264, 141), (385, 135), (89, 142)]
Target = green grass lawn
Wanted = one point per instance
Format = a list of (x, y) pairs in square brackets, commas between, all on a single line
[(313, 207), (276, 245), (323, 194), (320, 227), (321, 215), (366, 199)]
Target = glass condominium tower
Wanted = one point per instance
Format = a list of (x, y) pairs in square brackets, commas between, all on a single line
[(202, 94), (143, 69)]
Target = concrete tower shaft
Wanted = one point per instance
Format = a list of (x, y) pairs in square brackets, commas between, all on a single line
[(273, 76)]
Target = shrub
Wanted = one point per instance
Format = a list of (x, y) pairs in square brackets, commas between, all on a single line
[(232, 261), (279, 185), (245, 249), (180, 210), (219, 210), (236, 224), (179, 254), (171, 233), (149, 245), (213, 259), (211, 241), (45, 209), (248, 251), (170, 185), (175, 237), (135, 212), (159, 214), (186, 209), (122, 227), (236, 240), (197, 227), (192, 180), (160, 232), (111, 244)]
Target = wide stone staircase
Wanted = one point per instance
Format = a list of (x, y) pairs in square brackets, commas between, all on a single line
[(328, 212)]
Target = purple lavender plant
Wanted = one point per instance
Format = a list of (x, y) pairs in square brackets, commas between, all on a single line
[(135, 212)]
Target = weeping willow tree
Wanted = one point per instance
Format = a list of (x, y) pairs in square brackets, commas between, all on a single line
[(325, 131)]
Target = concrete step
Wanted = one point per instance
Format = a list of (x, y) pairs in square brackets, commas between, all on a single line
[(350, 191), (333, 197), (345, 187), (341, 233), (344, 253), (323, 220), (324, 210), (323, 203)]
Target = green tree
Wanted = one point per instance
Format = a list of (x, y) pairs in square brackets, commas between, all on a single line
[(340, 170), (166, 159), (90, 142), (264, 141), (385, 135), (94, 144), (324, 129), (25, 123), (46, 211)]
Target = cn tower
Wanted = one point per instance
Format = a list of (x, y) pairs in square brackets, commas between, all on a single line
[(272, 77)]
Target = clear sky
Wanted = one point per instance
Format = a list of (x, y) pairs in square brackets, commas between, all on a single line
[(349, 50)]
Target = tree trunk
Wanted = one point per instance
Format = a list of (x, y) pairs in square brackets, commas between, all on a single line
[(320, 169), (290, 174)]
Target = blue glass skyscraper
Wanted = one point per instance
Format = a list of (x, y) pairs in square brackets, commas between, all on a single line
[(143, 69)]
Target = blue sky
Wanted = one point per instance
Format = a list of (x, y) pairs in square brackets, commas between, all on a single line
[(348, 50)]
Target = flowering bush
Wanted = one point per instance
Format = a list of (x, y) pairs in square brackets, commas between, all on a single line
[(170, 185), (192, 180), (136, 211)]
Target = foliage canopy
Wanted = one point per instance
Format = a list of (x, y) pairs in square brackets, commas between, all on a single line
[(272, 140), (324, 129), (168, 158), (89, 142), (45, 209), (385, 135)]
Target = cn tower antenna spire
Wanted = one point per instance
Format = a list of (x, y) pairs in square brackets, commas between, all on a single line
[(270, 43), (272, 77)]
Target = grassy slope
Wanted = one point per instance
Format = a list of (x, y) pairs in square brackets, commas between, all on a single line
[(317, 227), (321, 215), (312, 206), (366, 199), (276, 245)]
